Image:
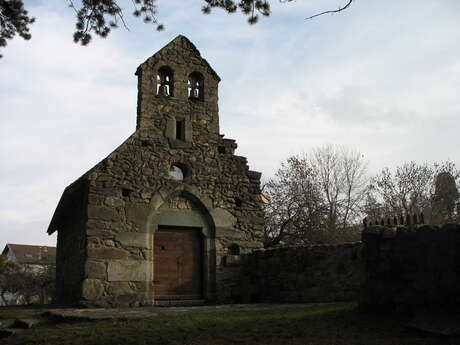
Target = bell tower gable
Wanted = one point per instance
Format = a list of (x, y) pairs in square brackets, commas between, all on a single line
[(176, 83)]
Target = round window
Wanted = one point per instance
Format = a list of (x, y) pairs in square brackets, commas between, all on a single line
[(176, 173)]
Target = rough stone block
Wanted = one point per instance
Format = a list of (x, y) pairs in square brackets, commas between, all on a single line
[(255, 219), (129, 270), (253, 245), (109, 243), (98, 232), (113, 201), (223, 218), (116, 227), (146, 195), (147, 254), (103, 213), (127, 300), (92, 289), (147, 171), (95, 199), (95, 269), (229, 234), (119, 288), (134, 239), (156, 201), (137, 213), (143, 287), (107, 253)]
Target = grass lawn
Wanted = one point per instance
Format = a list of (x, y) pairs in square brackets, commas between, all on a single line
[(18, 312), (327, 324)]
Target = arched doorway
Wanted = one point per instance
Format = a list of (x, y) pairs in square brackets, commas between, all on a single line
[(182, 249), (178, 263)]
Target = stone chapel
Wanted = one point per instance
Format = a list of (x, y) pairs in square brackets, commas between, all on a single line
[(164, 218)]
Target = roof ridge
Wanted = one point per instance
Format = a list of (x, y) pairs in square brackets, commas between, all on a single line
[(192, 46)]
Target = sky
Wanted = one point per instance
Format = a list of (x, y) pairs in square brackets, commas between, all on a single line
[(381, 77)]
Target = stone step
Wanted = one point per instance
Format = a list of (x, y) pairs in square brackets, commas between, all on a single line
[(178, 302)]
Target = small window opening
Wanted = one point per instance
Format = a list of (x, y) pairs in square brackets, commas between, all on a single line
[(165, 81), (28, 256), (144, 143), (195, 86), (176, 173), (180, 129), (222, 149), (238, 202), (163, 248), (234, 249), (125, 192)]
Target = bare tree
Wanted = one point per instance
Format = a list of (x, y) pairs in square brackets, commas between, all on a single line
[(294, 213), (414, 188), (342, 175), (315, 198)]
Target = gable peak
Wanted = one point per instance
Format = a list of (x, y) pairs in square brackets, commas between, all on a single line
[(180, 42)]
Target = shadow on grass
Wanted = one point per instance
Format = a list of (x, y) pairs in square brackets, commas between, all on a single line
[(321, 324), (22, 311)]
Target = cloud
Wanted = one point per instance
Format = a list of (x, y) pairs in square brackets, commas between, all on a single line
[(25, 232), (381, 77), (63, 109)]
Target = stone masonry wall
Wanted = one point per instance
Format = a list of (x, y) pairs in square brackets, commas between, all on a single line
[(318, 273), (127, 189), (412, 267), (71, 252)]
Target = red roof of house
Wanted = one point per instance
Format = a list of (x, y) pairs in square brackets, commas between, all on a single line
[(27, 254)]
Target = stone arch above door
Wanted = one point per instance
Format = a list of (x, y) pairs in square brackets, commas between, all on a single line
[(182, 210), (181, 207)]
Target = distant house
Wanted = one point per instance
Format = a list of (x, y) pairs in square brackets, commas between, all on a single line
[(31, 258)]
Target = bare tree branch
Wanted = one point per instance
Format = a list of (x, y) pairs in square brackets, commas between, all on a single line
[(315, 198), (332, 11)]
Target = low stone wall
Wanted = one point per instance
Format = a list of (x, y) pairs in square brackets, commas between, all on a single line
[(319, 273), (412, 267)]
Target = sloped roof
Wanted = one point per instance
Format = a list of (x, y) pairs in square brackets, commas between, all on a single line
[(28, 254), (66, 200), (66, 196), (184, 41)]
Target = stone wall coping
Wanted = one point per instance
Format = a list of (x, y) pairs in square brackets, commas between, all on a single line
[(313, 246), (388, 232)]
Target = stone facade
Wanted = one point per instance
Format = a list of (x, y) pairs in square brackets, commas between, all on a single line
[(176, 170), (408, 268), (303, 274)]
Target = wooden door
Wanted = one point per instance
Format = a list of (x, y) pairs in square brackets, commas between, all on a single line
[(178, 264)]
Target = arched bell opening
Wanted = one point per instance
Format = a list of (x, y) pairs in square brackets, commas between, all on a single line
[(165, 82), (195, 86)]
